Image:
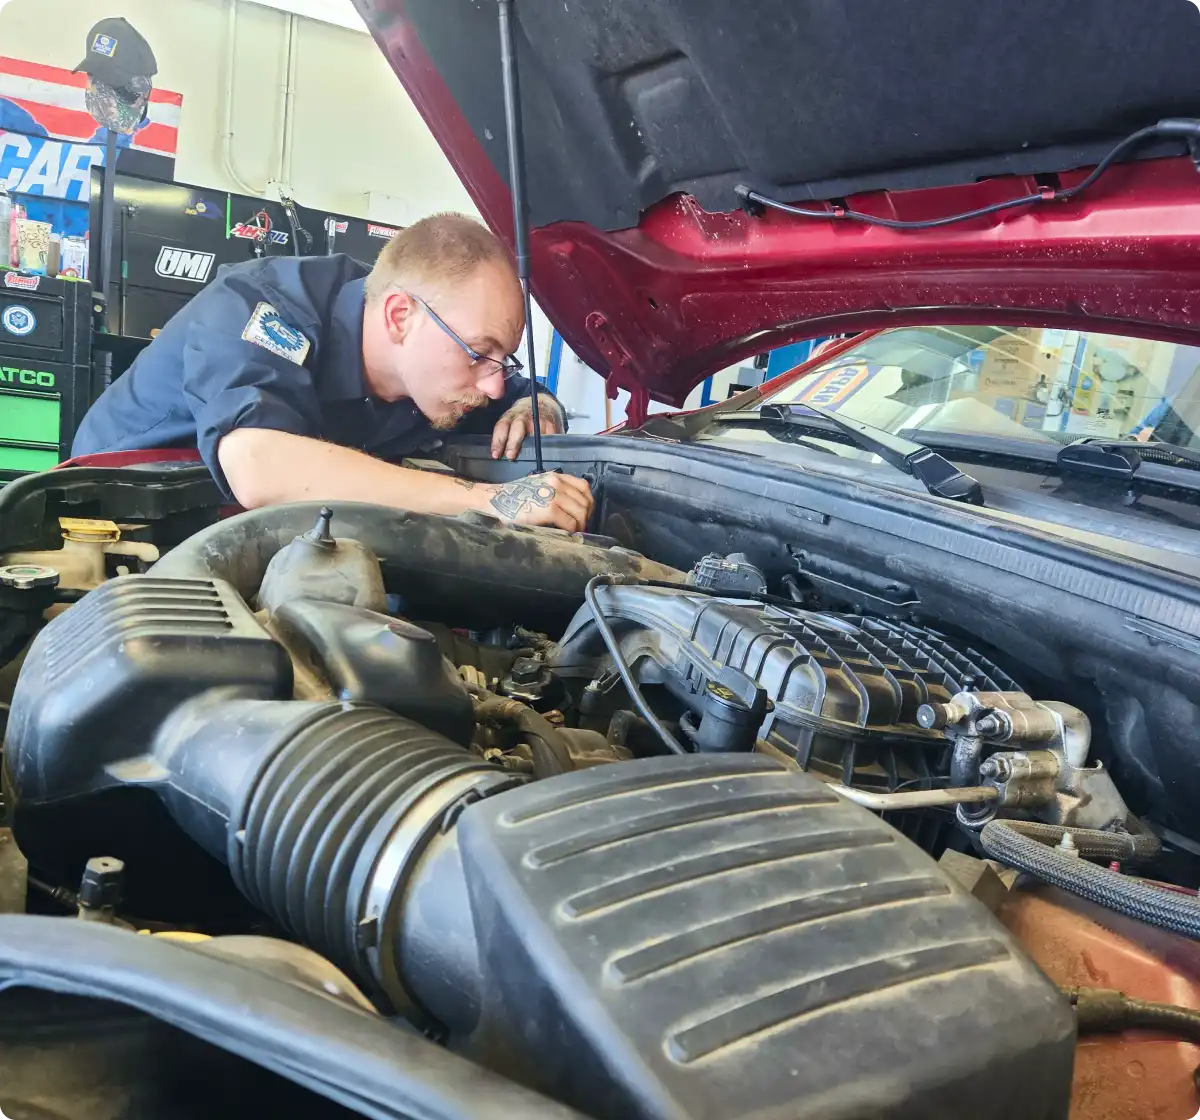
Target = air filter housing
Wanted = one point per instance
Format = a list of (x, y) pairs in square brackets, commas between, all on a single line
[(721, 936)]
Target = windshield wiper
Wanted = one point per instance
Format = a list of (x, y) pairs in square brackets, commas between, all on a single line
[(935, 472), (1122, 459)]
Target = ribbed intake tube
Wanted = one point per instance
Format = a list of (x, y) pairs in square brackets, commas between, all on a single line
[(321, 812)]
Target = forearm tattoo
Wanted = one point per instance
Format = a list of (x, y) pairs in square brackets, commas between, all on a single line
[(514, 498), (465, 483)]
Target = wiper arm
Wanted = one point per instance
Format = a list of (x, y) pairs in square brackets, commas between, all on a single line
[(1122, 459), (935, 472)]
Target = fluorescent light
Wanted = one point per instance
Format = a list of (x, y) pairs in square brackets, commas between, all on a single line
[(339, 12)]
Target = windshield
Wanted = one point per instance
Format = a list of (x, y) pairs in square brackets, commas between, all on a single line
[(1023, 383)]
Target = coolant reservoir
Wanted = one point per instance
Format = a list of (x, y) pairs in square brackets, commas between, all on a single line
[(80, 562)]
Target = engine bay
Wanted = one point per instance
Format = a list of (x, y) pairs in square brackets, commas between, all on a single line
[(650, 840)]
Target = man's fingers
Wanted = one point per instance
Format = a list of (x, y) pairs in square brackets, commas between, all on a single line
[(570, 483), (500, 435), (562, 518), (575, 507), (521, 426)]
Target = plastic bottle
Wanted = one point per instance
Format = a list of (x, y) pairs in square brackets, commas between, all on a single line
[(5, 226)]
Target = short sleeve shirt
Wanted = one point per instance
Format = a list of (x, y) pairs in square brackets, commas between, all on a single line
[(273, 343)]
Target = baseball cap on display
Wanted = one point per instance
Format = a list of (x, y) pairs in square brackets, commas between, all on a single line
[(117, 55)]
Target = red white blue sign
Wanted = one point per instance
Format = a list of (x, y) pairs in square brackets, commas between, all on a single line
[(49, 143)]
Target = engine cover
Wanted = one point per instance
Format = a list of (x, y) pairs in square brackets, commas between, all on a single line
[(722, 936), (844, 690)]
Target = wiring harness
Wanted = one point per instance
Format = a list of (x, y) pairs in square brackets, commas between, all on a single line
[(756, 204)]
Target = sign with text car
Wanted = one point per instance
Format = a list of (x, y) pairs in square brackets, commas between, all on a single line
[(182, 264)]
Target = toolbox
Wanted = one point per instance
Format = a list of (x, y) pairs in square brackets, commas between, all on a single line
[(46, 381)]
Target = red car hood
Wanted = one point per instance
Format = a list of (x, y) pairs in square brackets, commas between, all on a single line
[(641, 116)]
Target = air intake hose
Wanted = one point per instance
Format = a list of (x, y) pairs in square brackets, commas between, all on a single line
[(492, 573), (321, 812)]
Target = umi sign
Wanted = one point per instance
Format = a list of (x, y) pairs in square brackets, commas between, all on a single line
[(180, 264)]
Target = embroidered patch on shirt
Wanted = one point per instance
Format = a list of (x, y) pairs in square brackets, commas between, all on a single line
[(268, 330)]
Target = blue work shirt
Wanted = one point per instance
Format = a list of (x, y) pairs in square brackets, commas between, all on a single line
[(225, 362), (1153, 418)]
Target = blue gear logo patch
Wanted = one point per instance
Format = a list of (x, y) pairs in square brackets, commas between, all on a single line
[(18, 320), (268, 329)]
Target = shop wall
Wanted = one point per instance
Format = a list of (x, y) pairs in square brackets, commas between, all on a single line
[(359, 147), (356, 132)]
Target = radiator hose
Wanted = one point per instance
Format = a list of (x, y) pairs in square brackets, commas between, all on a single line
[(1025, 846)]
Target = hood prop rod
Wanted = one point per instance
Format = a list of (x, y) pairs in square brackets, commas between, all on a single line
[(516, 182)]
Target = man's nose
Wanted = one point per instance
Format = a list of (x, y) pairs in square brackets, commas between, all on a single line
[(492, 386)]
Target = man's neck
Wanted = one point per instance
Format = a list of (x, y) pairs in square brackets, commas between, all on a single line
[(375, 355)]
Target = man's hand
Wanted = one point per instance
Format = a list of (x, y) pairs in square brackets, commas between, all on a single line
[(517, 423), (560, 500)]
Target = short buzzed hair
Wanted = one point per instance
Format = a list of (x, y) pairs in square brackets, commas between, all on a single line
[(437, 250)]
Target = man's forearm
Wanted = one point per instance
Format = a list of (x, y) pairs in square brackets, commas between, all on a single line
[(266, 468)]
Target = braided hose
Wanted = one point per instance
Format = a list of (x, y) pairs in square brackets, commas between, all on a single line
[(1139, 846), (1022, 844)]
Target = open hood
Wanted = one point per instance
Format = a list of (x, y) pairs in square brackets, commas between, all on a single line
[(642, 116)]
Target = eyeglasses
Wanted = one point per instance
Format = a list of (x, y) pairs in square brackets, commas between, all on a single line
[(510, 366)]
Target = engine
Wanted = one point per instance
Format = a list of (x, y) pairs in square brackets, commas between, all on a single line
[(415, 749)]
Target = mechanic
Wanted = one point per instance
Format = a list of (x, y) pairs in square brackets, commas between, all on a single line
[(1176, 418), (297, 377)]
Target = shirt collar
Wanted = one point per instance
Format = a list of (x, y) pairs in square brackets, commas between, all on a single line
[(344, 378)]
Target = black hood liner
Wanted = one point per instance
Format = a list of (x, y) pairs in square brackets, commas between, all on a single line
[(628, 101)]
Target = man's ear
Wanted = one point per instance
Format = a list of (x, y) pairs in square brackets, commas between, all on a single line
[(399, 308)]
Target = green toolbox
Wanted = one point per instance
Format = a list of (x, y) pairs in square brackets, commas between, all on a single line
[(45, 369)]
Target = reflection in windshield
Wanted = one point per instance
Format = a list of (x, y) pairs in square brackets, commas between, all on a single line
[(1027, 383)]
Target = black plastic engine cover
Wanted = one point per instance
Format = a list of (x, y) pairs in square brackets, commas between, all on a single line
[(844, 690), (98, 683), (105, 675), (723, 937), (373, 657)]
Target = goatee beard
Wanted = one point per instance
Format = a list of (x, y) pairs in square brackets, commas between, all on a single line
[(454, 410)]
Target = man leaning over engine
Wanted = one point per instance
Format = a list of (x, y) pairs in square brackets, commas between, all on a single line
[(297, 378)]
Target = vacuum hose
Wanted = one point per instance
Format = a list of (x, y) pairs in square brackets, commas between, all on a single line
[(1103, 1012), (622, 666), (1023, 845)]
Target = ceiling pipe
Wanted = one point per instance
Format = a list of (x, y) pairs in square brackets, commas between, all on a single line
[(288, 148), (227, 162)]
